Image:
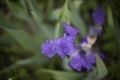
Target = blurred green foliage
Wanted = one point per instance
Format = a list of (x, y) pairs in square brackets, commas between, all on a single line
[(26, 24)]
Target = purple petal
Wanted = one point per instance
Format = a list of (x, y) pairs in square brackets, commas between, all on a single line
[(70, 31), (90, 58), (83, 41), (67, 45), (88, 66), (98, 15), (79, 61), (62, 46), (76, 62), (59, 50), (49, 47)]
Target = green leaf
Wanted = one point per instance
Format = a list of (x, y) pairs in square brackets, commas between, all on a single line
[(64, 75), (110, 18), (21, 12), (6, 23), (75, 17), (111, 46), (77, 21), (63, 16), (101, 68), (24, 39), (90, 76), (42, 27), (50, 5), (65, 64), (33, 5), (17, 10), (111, 23), (56, 13), (34, 60), (38, 18), (108, 34)]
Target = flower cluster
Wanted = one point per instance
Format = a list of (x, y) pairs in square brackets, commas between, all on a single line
[(79, 58)]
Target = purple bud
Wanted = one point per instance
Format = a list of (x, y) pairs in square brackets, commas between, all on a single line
[(98, 15)]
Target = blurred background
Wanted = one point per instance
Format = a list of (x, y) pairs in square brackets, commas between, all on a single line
[(26, 24)]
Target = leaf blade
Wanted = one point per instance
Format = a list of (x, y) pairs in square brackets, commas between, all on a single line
[(101, 69)]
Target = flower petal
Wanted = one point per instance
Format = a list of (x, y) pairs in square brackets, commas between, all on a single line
[(83, 42), (70, 31), (49, 47), (80, 60), (88, 66), (62, 46), (90, 58), (67, 45), (76, 62)]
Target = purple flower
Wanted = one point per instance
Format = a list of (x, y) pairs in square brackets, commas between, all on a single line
[(61, 46), (65, 46), (98, 15)]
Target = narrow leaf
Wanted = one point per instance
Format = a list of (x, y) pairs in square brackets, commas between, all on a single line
[(101, 68), (24, 39), (64, 75), (20, 63)]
